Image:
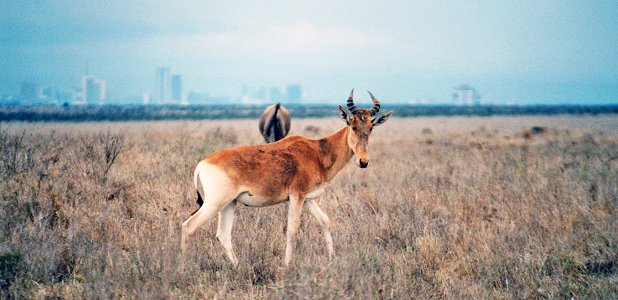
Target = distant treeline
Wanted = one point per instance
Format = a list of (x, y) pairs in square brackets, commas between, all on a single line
[(198, 112)]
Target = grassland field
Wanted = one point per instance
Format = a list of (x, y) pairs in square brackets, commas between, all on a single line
[(449, 207)]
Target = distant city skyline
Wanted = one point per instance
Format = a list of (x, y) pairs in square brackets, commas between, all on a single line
[(168, 90), (551, 52)]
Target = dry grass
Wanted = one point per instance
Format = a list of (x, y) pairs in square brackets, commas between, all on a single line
[(448, 208)]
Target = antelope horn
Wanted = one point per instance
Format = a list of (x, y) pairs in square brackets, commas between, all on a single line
[(376, 104), (351, 106)]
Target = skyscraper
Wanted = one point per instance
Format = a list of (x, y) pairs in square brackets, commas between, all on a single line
[(465, 95), (177, 93), (29, 92), (163, 92), (94, 91), (68, 95), (275, 95), (50, 94), (294, 93)]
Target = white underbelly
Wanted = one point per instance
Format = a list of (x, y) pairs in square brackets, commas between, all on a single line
[(248, 199), (317, 192)]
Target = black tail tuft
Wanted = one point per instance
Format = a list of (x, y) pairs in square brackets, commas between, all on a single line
[(199, 202), (199, 199)]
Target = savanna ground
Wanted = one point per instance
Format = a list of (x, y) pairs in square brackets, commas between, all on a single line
[(448, 208)]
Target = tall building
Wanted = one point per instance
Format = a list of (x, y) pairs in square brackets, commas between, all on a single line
[(163, 92), (68, 95), (29, 92), (50, 94), (466, 95), (94, 91), (177, 92), (259, 94), (294, 93), (275, 95), (253, 95), (146, 98)]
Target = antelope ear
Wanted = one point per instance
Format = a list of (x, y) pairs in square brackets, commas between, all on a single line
[(344, 114), (381, 119)]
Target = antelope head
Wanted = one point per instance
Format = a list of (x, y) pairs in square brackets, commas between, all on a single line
[(360, 123)]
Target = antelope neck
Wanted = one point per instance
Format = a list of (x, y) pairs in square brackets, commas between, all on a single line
[(335, 152)]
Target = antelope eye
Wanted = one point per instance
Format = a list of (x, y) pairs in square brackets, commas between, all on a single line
[(354, 128)]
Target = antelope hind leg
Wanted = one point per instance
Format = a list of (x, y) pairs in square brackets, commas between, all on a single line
[(206, 213), (224, 231)]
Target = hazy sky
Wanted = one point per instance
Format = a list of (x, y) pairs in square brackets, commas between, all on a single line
[(511, 51)]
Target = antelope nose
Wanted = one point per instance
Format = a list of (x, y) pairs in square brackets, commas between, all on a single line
[(363, 164)]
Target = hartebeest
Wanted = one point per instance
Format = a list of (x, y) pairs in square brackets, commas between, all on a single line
[(295, 169), (274, 123)]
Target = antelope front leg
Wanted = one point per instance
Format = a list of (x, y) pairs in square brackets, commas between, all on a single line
[(294, 213), (324, 222)]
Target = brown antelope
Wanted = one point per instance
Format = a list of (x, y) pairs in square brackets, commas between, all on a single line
[(274, 123), (295, 169)]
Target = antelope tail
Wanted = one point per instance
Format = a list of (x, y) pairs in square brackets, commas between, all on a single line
[(274, 126), (273, 118), (196, 180)]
